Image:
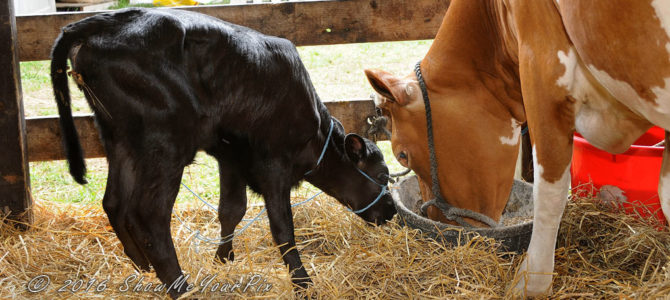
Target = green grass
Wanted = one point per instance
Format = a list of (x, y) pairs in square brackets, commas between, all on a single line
[(126, 3), (34, 76), (336, 71)]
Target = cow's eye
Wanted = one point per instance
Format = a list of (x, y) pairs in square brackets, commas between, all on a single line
[(402, 159)]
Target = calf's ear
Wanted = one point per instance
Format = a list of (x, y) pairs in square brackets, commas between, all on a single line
[(354, 146), (389, 86)]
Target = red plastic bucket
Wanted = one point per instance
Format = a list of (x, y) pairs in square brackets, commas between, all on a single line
[(635, 171)]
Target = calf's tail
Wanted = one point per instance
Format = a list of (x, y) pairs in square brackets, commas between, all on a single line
[(59, 81)]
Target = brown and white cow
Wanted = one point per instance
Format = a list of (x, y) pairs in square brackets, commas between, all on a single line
[(601, 68)]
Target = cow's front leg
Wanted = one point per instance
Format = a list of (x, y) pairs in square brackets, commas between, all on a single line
[(550, 122), (278, 203), (552, 182), (664, 182), (550, 113)]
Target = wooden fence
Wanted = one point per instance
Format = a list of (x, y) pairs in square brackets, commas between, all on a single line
[(320, 22)]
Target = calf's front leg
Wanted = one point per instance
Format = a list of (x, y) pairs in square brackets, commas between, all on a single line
[(278, 203)]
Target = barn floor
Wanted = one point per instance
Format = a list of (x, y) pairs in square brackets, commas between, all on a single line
[(601, 254)]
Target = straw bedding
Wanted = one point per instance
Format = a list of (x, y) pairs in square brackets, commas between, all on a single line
[(601, 253)]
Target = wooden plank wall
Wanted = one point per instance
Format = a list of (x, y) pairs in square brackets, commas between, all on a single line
[(44, 139)]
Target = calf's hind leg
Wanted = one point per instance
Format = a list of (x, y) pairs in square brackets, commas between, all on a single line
[(232, 207), (115, 203), (154, 194)]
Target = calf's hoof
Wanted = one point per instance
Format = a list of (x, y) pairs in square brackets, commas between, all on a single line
[(225, 255), (142, 267), (301, 290), (174, 294), (301, 283), (186, 295), (139, 262), (182, 292)]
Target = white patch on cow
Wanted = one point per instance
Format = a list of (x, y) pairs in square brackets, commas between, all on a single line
[(576, 81), (602, 105), (662, 9), (514, 139), (658, 113), (408, 89), (593, 115), (536, 271), (664, 194), (663, 96), (568, 60), (377, 99)]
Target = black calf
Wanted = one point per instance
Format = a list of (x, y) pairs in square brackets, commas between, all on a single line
[(166, 83)]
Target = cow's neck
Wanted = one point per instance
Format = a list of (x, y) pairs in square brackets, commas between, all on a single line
[(474, 53), (476, 43)]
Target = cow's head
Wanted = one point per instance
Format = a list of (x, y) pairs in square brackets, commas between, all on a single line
[(476, 140)]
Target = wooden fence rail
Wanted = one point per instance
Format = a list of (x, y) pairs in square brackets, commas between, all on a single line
[(304, 23), (44, 139)]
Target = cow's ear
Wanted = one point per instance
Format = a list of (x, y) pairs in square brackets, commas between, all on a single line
[(386, 84), (354, 146)]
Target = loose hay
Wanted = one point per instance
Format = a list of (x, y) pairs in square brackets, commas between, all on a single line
[(601, 253)]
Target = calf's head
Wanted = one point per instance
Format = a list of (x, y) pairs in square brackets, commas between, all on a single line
[(475, 143), (353, 171)]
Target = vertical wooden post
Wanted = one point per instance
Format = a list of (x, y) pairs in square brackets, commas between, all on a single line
[(15, 197)]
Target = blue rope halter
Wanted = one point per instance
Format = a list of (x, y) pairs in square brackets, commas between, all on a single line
[(381, 193), (325, 146), (323, 152)]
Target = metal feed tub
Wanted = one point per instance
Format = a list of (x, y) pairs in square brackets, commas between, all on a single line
[(407, 198)]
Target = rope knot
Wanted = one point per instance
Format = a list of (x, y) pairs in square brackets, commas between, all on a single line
[(378, 125)]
